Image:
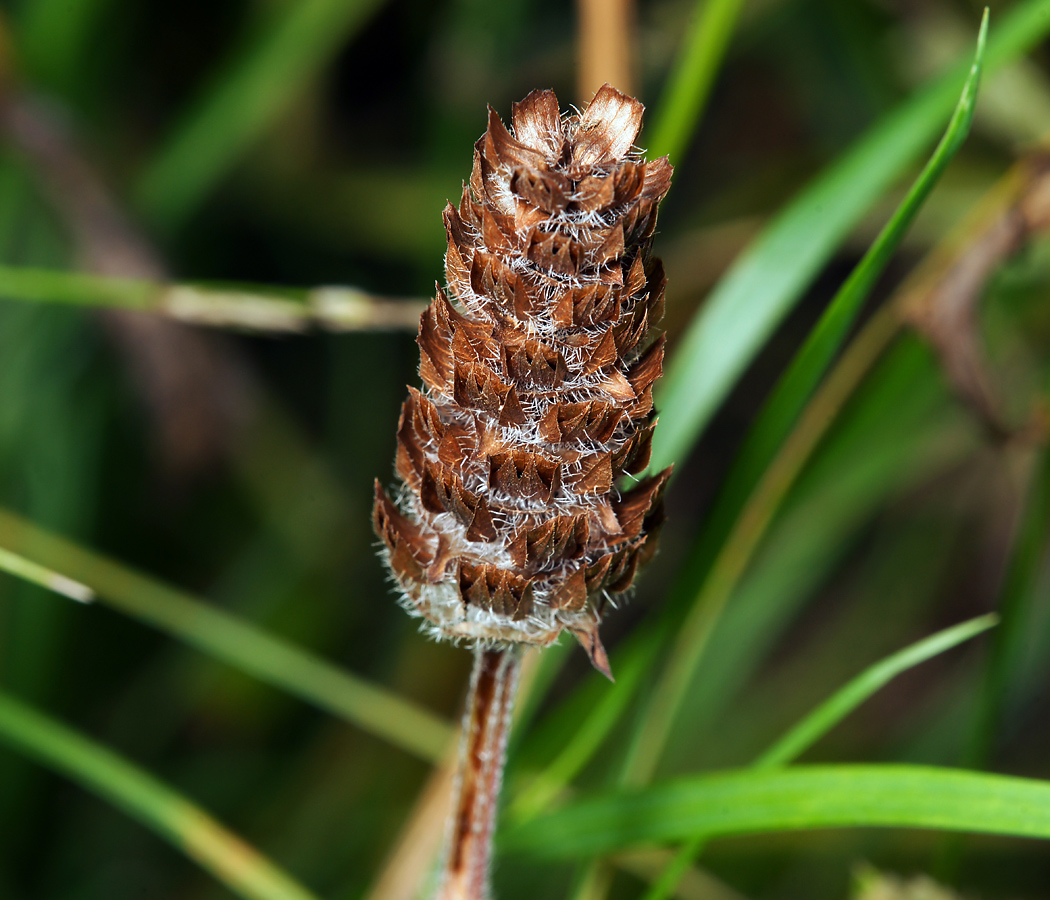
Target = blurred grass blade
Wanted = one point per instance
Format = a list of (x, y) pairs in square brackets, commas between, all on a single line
[(76, 288), (756, 510), (833, 710), (28, 570), (534, 691), (819, 722), (588, 711), (243, 100), (689, 84), (1015, 606), (721, 580), (236, 306), (867, 462), (790, 799), (180, 822), (770, 277), (53, 36), (669, 879), (810, 363), (584, 741), (234, 641)]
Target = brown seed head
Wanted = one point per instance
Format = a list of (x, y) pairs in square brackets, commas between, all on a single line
[(538, 372)]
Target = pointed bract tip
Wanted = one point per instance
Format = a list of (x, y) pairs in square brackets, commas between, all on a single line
[(593, 647)]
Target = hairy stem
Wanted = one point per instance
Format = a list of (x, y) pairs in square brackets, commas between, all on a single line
[(486, 724)]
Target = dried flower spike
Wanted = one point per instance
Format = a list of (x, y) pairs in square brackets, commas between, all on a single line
[(538, 373)]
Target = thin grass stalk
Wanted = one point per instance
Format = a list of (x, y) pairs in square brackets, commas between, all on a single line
[(759, 509), (1017, 596), (29, 571), (482, 755), (413, 856), (251, 308), (689, 85)]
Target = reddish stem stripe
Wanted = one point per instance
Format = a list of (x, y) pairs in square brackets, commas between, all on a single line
[(486, 724)]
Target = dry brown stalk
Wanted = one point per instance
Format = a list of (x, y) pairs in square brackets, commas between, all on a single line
[(606, 31), (538, 369), (195, 385), (942, 301)]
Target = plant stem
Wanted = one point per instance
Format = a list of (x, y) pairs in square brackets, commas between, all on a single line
[(238, 307), (482, 752), (606, 46)]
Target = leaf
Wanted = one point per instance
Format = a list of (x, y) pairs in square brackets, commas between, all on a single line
[(250, 91), (689, 84), (160, 808), (791, 799), (234, 641), (1016, 604), (795, 386), (771, 276), (29, 571), (775, 474), (833, 710)]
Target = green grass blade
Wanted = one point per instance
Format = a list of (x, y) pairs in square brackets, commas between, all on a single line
[(791, 799), (833, 710), (770, 277), (689, 84), (584, 742), (245, 97), (235, 306), (53, 35), (1015, 606), (75, 288), (549, 666), (810, 363), (868, 461), (669, 879), (234, 641), (819, 722), (29, 571), (751, 513), (180, 822)]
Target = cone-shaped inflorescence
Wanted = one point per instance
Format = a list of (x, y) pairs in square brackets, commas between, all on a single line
[(520, 515)]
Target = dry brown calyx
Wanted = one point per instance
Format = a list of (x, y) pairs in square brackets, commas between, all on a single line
[(538, 367)]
